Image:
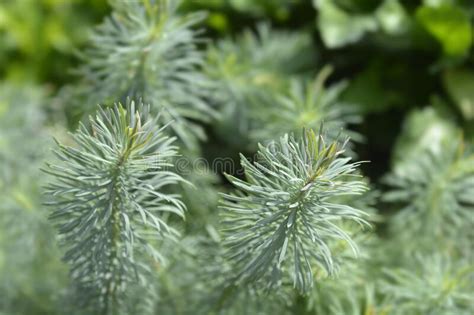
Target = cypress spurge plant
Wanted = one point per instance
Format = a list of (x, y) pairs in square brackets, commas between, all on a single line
[(435, 192), (283, 219), (250, 67), (108, 201), (435, 284), (305, 104), (146, 50), (27, 248)]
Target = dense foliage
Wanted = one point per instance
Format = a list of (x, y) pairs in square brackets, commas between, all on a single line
[(237, 157)]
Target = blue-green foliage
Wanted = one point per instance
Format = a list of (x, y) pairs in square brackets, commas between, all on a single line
[(306, 104), (146, 50), (432, 183), (27, 241), (433, 284), (109, 203), (250, 68), (282, 220), (395, 76)]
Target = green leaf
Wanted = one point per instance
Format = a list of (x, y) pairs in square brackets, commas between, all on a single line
[(449, 25), (459, 84), (339, 28), (392, 17), (368, 92)]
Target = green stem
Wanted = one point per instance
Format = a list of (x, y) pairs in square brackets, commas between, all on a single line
[(114, 199), (137, 82)]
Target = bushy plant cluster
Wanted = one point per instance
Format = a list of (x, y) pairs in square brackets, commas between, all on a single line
[(240, 157)]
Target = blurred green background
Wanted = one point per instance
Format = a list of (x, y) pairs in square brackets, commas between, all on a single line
[(396, 54)]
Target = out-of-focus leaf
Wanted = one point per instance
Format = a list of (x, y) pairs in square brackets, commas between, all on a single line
[(460, 86), (450, 25), (278, 9), (338, 27), (359, 6), (38, 36), (366, 92), (218, 21), (392, 17), (372, 90)]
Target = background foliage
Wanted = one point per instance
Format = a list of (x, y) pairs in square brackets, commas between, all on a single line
[(397, 76)]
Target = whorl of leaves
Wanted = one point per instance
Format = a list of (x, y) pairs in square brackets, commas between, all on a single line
[(252, 65), (108, 201), (306, 105), (434, 284), (146, 50), (435, 190), (28, 256), (258, 57), (282, 218)]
